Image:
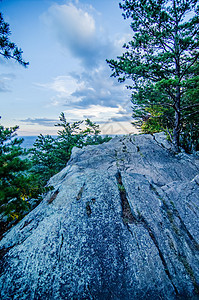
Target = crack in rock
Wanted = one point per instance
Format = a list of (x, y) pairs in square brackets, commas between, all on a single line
[(79, 195), (53, 197), (128, 218)]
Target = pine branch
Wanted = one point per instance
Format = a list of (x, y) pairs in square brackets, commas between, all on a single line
[(20, 60), (191, 64), (191, 114), (189, 106)]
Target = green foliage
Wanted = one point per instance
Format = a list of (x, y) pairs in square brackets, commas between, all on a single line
[(50, 155), (7, 48), (24, 174), (161, 61), (190, 113), (153, 119), (17, 185), (45, 162), (121, 188)]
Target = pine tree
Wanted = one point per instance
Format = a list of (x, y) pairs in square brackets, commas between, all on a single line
[(9, 49), (161, 58), (50, 155), (20, 190), (12, 172)]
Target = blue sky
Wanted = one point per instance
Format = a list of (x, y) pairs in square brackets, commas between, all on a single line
[(66, 44)]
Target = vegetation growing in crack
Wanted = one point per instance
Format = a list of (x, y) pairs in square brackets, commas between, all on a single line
[(121, 188), (127, 215)]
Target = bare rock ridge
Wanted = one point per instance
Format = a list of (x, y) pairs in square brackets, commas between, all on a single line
[(121, 223)]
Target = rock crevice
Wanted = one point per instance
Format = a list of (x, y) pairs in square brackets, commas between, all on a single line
[(121, 223)]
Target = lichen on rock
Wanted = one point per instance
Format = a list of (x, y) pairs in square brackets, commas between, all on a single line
[(119, 225)]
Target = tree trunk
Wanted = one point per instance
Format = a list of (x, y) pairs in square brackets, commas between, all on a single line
[(176, 133), (177, 121), (176, 130)]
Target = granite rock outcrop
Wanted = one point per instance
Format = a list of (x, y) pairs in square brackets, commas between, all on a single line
[(121, 223)]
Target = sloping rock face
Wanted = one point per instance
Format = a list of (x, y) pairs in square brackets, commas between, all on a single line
[(122, 223)]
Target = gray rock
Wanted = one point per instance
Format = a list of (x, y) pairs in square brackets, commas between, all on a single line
[(121, 223)]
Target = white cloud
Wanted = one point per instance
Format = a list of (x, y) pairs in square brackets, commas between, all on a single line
[(5, 79), (76, 24), (80, 29), (63, 88), (99, 113), (120, 40), (86, 89), (90, 92), (98, 88), (76, 30), (110, 119), (91, 95)]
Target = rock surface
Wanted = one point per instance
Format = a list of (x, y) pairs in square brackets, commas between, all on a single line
[(121, 223)]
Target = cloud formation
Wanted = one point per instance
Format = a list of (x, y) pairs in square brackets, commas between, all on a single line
[(63, 88), (3, 87), (75, 29), (40, 121), (4, 82), (97, 113), (86, 89), (91, 92)]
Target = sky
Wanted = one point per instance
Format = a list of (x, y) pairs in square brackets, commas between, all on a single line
[(66, 44)]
